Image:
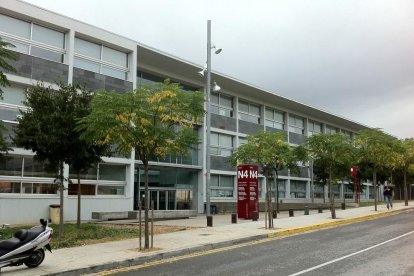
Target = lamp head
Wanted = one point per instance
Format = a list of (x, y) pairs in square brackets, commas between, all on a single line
[(216, 88), (201, 73)]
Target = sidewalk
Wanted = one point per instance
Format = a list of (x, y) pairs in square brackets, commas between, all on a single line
[(98, 257)]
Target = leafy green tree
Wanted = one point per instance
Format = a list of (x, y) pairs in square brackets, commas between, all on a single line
[(5, 55), (333, 153), (270, 151), (48, 129), (154, 120), (376, 150), (403, 160)]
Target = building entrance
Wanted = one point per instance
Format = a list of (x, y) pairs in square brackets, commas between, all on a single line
[(168, 188)]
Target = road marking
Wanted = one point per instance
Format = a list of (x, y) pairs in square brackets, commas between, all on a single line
[(349, 255)]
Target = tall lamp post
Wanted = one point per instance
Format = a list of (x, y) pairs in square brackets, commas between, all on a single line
[(208, 116)]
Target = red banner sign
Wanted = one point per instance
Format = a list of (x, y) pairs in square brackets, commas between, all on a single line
[(247, 191)]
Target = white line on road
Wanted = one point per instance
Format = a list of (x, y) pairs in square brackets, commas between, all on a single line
[(350, 255)]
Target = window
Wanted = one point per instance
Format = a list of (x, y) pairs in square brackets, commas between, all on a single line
[(281, 188), (318, 190), (100, 59), (314, 128), (296, 124), (221, 144), (111, 190), (297, 189), (274, 118), (222, 185), (348, 190), (242, 141), (33, 39), (86, 189), (221, 104), (335, 189), (249, 112), (39, 188), (13, 95), (331, 130)]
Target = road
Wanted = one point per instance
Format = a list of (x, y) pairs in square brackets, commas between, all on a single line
[(382, 246)]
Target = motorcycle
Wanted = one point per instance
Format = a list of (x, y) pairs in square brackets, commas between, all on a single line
[(26, 246)]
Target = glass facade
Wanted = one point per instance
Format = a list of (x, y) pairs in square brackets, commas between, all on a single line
[(296, 124), (249, 112), (221, 144), (274, 118), (100, 59), (222, 186), (33, 39), (221, 104)]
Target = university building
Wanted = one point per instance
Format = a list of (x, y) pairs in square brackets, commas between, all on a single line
[(53, 48)]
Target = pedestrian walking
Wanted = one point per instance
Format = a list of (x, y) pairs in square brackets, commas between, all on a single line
[(388, 195)]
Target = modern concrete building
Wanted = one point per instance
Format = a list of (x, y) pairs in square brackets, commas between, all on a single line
[(51, 48)]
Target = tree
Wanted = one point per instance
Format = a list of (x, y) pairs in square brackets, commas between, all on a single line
[(375, 148), (154, 120), (270, 151), (335, 155), (48, 129), (5, 55), (403, 160)]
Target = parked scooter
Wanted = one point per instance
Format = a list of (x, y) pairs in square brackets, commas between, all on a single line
[(26, 246)]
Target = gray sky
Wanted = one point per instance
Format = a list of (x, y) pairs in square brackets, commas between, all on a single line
[(353, 58)]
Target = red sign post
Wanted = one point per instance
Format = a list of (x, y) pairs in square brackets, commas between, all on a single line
[(247, 191)]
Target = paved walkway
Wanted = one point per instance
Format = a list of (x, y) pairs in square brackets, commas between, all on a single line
[(93, 258)]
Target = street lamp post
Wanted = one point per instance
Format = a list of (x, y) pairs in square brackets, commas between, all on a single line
[(208, 116)]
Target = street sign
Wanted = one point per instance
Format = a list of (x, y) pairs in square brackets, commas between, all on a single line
[(247, 191)]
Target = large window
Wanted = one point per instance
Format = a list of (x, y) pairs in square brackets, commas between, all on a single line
[(346, 133), (331, 130), (100, 59), (274, 118), (221, 144), (297, 189), (296, 124), (33, 39), (249, 112), (318, 190), (281, 188), (314, 128), (221, 104), (222, 185)]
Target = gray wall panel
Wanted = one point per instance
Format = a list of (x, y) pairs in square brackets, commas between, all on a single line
[(221, 163), (249, 128), (223, 122), (296, 138)]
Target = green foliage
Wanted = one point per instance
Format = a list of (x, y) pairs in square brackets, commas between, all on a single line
[(155, 120), (333, 155), (5, 55), (270, 151), (48, 127), (375, 148)]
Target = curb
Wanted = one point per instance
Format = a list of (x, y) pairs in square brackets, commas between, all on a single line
[(196, 249)]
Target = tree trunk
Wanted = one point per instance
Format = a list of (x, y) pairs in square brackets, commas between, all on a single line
[(375, 187), (405, 188), (79, 202), (61, 190), (269, 201), (331, 197), (277, 192), (146, 206)]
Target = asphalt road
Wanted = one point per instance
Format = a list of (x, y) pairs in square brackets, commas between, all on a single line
[(383, 246)]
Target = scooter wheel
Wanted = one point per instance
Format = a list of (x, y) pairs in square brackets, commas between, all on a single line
[(35, 259)]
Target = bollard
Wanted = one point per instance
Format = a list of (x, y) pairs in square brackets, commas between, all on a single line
[(255, 216), (291, 213), (343, 206), (274, 214), (233, 218), (320, 210), (209, 221), (306, 210)]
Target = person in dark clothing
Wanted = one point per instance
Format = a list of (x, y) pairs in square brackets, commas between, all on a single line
[(388, 195)]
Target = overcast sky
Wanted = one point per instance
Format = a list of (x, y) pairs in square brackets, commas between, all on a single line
[(353, 58)]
